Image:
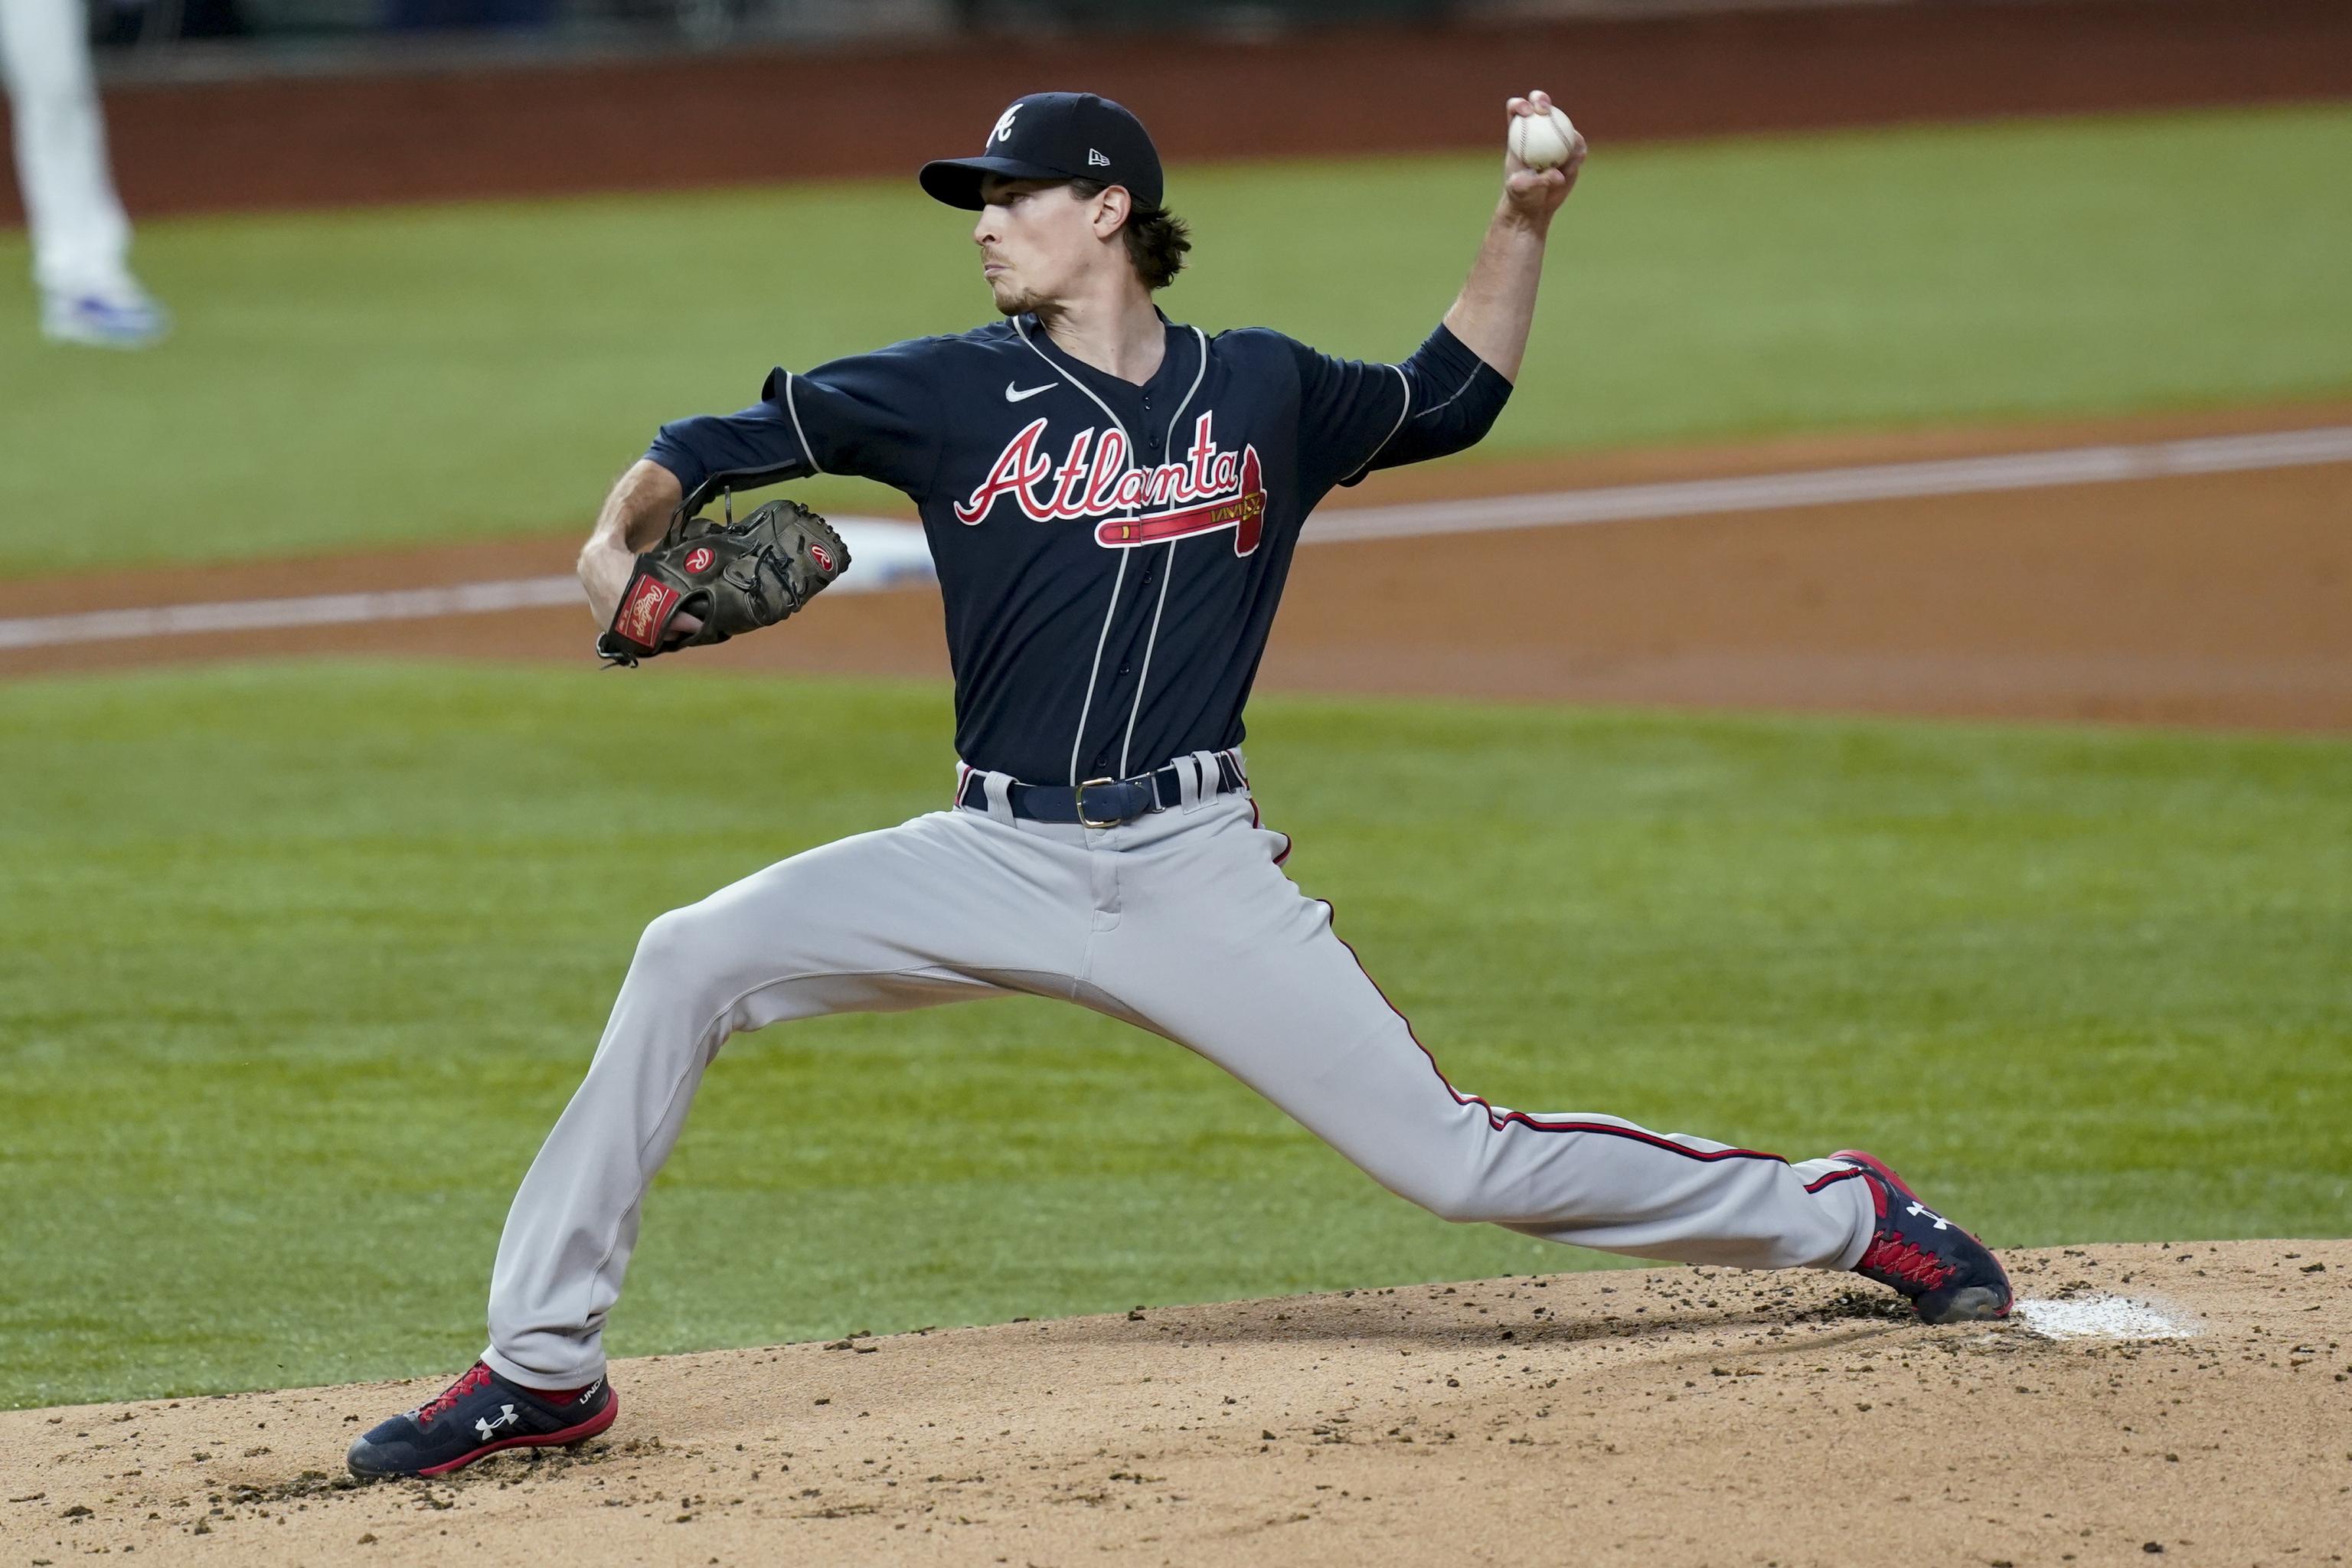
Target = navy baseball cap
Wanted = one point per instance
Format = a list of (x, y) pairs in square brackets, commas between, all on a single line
[(1054, 136)]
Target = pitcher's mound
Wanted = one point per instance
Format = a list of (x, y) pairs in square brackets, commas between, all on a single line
[(2193, 1402)]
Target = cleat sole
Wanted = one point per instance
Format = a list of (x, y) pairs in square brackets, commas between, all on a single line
[(1975, 1304)]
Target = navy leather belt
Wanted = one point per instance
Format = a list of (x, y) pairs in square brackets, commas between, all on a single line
[(1102, 803)]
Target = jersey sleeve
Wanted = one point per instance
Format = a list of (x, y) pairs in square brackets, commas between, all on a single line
[(874, 416), (1358, 417)]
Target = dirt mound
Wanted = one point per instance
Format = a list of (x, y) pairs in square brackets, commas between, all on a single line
[(1677, 1415)]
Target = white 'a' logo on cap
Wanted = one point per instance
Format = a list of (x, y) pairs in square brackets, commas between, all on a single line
[(1004, 132)]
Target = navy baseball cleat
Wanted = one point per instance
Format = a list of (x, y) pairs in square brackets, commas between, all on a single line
[(480, 1413), (1949, 1275)]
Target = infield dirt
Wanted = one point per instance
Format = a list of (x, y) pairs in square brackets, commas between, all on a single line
[(1686, 1415), (2215, 600)]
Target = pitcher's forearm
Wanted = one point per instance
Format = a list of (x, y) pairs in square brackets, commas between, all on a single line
[(1497, 304), (632, 518)]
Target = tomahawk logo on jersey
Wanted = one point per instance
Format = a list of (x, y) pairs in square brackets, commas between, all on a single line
[(1110, 555)]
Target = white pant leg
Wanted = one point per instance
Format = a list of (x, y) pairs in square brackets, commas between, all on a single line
[(945, 907), (82, 240), (1216, 948)]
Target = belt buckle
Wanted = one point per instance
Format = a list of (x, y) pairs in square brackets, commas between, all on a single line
[(1080, 802)]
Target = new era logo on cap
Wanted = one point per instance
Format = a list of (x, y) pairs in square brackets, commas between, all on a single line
[(1054, 136)]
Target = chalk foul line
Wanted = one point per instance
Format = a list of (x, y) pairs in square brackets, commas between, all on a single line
[(886, 555), (890, 554), (1822, 487)]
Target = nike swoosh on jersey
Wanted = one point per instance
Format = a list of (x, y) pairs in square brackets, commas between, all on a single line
[(1016, 395)]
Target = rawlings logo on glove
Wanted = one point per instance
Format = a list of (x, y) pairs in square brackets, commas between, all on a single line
[(734, 577)]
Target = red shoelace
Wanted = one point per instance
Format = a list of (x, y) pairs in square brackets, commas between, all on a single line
[(475, 1376), (1905, 1261)]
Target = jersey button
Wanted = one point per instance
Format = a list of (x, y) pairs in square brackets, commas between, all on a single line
[(1126, 669)]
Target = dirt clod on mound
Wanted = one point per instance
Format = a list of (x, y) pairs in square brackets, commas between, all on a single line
[(1685, 1415)]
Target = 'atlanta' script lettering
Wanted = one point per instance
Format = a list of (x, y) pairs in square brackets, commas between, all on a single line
[(1093, 478)]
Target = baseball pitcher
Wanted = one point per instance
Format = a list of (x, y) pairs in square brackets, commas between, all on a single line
[(1112, 499)]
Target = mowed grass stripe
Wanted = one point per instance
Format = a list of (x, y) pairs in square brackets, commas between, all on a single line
[(298, 963), (382, 376)]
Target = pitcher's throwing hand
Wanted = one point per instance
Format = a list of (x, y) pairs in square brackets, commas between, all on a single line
[(1543, 152)]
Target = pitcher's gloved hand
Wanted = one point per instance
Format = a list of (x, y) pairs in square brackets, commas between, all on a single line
[(732, 577)]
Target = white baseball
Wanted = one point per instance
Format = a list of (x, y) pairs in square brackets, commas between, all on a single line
[(1542, 141)]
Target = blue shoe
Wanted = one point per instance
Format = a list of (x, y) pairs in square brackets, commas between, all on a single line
[(480, 1413), (1949, 1275), (108, 320)]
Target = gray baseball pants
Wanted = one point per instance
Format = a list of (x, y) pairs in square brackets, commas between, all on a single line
[(1181, 923)]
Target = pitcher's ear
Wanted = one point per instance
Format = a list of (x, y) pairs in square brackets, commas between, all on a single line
[(1113, 205)]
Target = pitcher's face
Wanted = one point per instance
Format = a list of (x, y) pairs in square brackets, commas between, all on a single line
[(1038, 239)]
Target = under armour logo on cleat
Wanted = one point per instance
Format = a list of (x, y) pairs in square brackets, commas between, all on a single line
[(1921, 1211), (507, 1417), (1095, 159)]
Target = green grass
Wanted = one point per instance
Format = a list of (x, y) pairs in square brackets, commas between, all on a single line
[(298, 963), (449, 373)]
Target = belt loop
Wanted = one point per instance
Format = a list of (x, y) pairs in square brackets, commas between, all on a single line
[(999, 788), (963, 771), (1198, 770), (1241, 769)]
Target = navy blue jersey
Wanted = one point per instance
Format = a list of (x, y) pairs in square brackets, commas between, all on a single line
[(1110, 555)]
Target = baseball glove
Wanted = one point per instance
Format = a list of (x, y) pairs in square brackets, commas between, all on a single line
[(733, 577)]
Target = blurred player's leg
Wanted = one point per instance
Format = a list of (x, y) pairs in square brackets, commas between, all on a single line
[(81, 239)]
